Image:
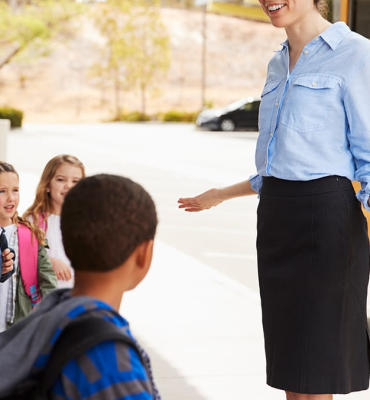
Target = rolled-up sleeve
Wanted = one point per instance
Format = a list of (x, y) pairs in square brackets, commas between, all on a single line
[(256, 182), (356, 102)]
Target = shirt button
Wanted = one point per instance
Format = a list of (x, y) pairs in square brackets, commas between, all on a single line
[(314, 84), (277, 104), (305, 52), (317, 39), (265, 162), (271, 134)]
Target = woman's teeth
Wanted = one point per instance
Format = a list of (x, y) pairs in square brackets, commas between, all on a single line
[(277, 7)]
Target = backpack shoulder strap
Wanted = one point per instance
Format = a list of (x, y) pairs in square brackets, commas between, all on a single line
[(79, 336), (28, 252)]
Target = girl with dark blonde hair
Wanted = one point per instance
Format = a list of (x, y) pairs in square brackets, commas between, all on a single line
[(60, 174), (312, 240), (15, 299)]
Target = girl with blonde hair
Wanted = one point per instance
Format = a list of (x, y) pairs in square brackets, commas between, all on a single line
[(60, 174)]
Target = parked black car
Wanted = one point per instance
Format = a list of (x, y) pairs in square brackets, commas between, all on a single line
[(240, 115)]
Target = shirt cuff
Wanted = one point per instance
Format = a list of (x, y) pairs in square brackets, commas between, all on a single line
[(363, 195), (256, 182)]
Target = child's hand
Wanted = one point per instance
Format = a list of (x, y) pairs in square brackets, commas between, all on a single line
[(62, 270), (8, 261)]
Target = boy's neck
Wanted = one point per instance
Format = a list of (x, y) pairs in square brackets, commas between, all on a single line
[(100, 286)]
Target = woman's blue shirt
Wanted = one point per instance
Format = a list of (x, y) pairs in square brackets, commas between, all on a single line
[(315, 121)]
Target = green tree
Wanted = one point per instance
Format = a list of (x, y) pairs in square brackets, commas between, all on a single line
[(135, 52), (24, 24), (112, 21), (151, 57)]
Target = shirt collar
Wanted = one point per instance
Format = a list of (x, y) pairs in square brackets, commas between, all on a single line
[(335, 34), (285, 44), (332, 36)]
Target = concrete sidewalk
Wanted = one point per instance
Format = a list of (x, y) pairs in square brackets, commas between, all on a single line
[(202, 330)]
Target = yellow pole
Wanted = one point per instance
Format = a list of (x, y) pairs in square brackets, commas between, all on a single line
[(344, 10)]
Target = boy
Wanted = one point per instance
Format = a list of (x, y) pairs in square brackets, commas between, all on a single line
[(108, 225)]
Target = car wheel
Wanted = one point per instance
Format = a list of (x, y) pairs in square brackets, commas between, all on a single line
[(227, 125)]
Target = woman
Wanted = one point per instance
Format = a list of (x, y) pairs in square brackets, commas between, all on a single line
[(312, 243)]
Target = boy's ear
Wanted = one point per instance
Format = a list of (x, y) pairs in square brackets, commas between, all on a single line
[(144, 255)]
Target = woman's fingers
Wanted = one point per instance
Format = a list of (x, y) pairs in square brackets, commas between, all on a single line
[(190, 204), (204, 201)]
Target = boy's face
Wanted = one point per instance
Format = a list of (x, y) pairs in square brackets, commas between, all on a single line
[(9, 197)]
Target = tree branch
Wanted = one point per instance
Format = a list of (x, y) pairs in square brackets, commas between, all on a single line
[(9, 56)]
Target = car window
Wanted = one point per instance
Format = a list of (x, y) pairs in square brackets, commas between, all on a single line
[(236, 105), (252, 106), (256, 105), (248, 107)]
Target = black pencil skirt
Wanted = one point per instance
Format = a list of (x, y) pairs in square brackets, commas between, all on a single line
[(313, 265)]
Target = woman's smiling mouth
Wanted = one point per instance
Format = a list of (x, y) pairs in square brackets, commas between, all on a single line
[(275, 7)]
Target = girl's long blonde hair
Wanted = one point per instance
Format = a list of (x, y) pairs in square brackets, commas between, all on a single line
[(42, 205), (16, 219)]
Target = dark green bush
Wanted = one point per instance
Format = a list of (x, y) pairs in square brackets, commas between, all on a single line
[(178, 116), (134, 116), (168, 116), (15, 116)]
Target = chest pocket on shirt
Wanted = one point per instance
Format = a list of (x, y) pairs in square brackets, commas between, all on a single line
[(307, 104), (268, 99)]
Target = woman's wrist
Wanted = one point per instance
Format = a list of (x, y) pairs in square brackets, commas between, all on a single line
[(238, 190)]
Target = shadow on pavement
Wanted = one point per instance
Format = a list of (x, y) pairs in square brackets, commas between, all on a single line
[(169, 381)]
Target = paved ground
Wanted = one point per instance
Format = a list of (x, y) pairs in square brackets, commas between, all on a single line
[(201, 327), (203, 331)]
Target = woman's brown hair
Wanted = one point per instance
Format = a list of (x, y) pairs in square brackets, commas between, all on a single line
[(323, 7), (42, 206), (16, 219)]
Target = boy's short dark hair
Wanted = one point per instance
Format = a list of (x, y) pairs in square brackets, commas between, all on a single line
[(104, 218)]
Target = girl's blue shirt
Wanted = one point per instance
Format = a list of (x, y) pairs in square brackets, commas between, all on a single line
[(315, 121)]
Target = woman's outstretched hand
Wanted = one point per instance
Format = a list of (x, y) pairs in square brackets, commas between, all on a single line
[(204, 201), (213, 197)]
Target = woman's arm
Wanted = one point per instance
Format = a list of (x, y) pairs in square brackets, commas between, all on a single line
[(356, 102), (213, 197)]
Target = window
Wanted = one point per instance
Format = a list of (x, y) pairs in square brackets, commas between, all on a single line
[(361, 17)]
